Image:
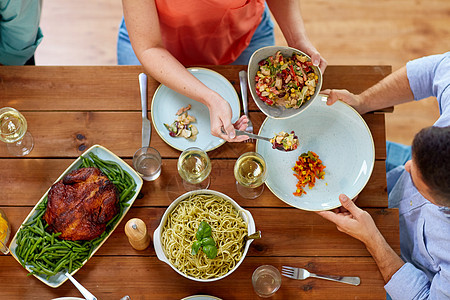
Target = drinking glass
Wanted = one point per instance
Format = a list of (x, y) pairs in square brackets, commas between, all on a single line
[(147, 162), (250, 173), (266, 280), (194, 167), (13, 131), (5, 231)]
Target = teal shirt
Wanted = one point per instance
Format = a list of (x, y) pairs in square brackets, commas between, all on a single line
[(19, 30)]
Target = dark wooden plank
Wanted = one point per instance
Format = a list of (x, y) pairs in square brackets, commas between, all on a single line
[(111, 278), (285, 232), (68, 134), (116, 87), (29, 179)]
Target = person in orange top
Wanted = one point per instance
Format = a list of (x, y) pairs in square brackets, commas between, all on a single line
[(165, 35)]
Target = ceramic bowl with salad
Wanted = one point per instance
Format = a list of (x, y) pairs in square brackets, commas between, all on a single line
[(282, 80)]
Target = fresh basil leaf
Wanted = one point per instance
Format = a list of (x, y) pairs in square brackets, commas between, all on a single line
[(204, 231), (195, 247), (210, 251), (209, 241)]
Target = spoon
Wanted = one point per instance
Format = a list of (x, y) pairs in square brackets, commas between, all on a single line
[(254, 236), (255, 136), (86, 294)]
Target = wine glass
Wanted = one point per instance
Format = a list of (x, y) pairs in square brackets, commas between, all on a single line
[(250, 173), (194, 167), (13, 131)]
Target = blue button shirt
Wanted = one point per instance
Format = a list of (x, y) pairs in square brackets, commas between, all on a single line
[(424, 227), (19, 30)]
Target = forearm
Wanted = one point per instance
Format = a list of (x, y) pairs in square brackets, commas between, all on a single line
[(288, 16), (166, 69), (392, 90), (141, 18), (387, 260)]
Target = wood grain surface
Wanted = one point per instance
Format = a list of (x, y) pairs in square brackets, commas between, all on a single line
[(69, 109)]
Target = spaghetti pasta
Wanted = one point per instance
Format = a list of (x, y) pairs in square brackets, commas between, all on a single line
[(228, 230)]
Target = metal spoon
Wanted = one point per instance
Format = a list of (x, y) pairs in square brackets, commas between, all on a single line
[(86, 294), (254, 236)]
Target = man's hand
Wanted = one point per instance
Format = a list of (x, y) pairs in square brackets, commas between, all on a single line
[(345, 96), (352, 221)]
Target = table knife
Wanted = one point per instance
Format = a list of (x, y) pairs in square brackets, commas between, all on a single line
[(146, 126)]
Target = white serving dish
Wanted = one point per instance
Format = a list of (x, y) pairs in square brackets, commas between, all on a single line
[(103, 153), (245, 214)]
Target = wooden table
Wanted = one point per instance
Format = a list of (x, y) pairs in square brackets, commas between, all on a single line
[(71, 108)]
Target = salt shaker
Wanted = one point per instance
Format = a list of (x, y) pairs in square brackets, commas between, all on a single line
[(136, 230)]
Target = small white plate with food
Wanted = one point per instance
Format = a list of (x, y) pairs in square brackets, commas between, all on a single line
[(175, 116)]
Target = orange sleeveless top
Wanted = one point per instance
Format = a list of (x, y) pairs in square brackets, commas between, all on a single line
[(213, 32)]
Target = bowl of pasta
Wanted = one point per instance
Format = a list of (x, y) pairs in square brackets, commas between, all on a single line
[(283, 81), (203, 235)]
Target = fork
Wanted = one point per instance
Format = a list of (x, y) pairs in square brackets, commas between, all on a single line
[(301, 274), (243, 84)]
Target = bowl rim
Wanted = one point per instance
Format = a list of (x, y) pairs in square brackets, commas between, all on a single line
[(245, 214), (251, 83)]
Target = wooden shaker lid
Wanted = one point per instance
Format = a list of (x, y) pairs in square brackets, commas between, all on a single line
[(136, 230)]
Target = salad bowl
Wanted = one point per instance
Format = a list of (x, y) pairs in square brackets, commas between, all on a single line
[(275, 111)]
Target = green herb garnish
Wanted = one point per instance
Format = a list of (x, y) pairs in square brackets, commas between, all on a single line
[(204, 241)]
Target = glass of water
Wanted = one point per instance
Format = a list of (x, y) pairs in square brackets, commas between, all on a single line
[(266, 280), (147, 162)]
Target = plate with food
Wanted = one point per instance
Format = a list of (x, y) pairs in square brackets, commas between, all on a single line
[(75, 216), (335, 154), (282, 81), (182, 122), (203, 235)]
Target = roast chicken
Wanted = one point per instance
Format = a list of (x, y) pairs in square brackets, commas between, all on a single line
[(81, 204)]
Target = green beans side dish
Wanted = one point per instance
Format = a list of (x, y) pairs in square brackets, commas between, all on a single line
[(44, 253)]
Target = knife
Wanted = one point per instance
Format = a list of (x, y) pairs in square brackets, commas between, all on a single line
[(146, 126)]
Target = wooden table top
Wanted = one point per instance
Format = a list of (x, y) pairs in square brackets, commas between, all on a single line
[(69, 109)]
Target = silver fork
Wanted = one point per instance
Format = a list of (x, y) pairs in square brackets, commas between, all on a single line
[(301, 274), (243, 84)]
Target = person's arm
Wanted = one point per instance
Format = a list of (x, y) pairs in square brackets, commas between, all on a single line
[(360, 225), (142, 22), (391, 90), (19, 31), (288, 16)]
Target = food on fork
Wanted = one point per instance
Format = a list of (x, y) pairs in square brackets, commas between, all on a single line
[(307, 168), (81, 204), (182, 125), (285, 141), (286, 81)]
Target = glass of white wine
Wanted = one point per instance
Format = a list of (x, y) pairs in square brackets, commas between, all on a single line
[(250, 173), (13, 131), (194, 167)]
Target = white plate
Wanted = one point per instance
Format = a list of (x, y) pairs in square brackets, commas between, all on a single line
[(167, 102), (201, 297), (103, 153), (341, 138)]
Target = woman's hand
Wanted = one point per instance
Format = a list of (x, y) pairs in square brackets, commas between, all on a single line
[(220, 114)]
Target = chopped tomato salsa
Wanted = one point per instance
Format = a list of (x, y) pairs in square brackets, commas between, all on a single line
[(307, 168)]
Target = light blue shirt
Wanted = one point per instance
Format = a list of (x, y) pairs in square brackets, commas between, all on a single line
[(19, 30), (424, 227)]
